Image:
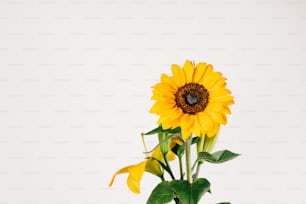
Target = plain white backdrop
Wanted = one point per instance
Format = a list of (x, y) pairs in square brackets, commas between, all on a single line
[(75, 88)]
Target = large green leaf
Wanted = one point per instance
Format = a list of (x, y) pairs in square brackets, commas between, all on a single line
[(217, 157), (162, 193), (188, 193), (198, 188)]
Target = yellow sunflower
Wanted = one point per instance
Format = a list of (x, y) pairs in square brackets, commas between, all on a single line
[(195, 98)]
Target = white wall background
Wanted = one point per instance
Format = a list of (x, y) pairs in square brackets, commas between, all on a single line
[(75, 78)]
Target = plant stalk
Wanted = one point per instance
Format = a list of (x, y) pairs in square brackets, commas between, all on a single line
[(181, 168), (168, 166), (198, 169), (188, 158)]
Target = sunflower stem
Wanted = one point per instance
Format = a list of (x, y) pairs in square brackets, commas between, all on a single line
[(181, 168), (198, 169), (168, 166), (188, 158)]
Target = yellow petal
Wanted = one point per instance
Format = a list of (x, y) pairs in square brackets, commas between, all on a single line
[(167, 89), (170, 118), (155, 108), (157, 154), (210, 79), (218, 117), (135, 175), (186, 132), (199, 72), (166, 98), (226, 110), (188, 69), (219, 83), (225, 100), (187, 122), (161, 106), (208, 71), (215, 107), (175, 141), (213, 132), (205, 121), (134, 178), (171, 156), (197, 126), (178, 75), (168, 80), (164, 123), (120, 171), (216, 92)]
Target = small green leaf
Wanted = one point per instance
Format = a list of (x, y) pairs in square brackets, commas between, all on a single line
[(174, 131), (155, 131), (217, 157), (224, 203), (160, 129), (187, 193)]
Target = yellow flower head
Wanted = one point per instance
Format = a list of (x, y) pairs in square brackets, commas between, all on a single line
[(195, 98)]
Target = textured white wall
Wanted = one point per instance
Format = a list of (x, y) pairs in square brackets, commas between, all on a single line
[(75, 79)]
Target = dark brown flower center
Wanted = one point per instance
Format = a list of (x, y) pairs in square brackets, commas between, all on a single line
[(192, 98)]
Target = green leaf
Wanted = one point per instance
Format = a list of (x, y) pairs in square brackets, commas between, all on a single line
[(162, 193), (155, 131), (224, 203), (181, 189), (160, 129), (199, 187), (188, 193), (217, 157)]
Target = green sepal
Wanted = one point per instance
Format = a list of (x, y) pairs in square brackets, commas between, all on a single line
[(178, 150), (165, 167), (217, 157), (164, 141), (166, 191), (195, 140), (160, 129)]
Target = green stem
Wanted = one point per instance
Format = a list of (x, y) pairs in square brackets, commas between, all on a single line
[(168, 166), (181, 168), (194, 165), (198, 169), (188, 158)]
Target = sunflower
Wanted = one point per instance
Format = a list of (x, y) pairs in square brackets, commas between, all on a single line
[(195, 98)]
